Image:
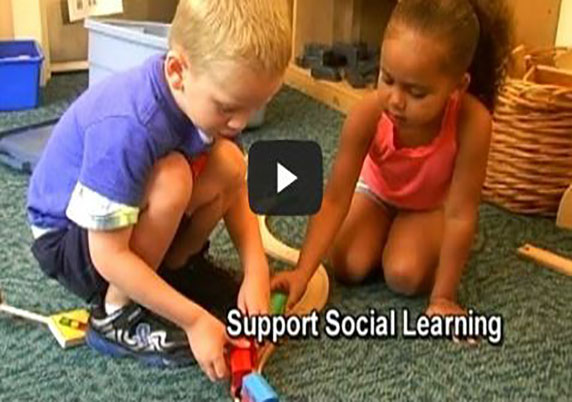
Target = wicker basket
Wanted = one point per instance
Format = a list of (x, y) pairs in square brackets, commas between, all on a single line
[(530, 160)]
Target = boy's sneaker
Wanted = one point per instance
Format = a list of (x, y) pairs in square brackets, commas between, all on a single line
[(137, 332), (205, 283)]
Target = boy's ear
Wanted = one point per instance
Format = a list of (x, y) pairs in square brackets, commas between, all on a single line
[(174, 66)]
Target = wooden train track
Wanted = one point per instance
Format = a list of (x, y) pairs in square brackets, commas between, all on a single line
[(317, 291)]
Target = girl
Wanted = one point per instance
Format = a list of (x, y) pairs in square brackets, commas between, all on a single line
[(415, 151)]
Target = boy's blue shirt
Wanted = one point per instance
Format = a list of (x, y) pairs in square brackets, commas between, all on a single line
[(96, 164)]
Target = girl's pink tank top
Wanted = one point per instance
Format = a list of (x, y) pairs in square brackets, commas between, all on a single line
[(413, 178)]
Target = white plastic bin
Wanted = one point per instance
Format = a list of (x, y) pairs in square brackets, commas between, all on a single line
[(117, 45)]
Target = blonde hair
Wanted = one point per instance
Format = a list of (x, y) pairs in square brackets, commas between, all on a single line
[(254, 32)]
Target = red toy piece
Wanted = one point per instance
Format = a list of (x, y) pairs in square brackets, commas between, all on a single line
[(242, 363)]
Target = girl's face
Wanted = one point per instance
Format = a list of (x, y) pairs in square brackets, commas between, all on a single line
[(414, 85)]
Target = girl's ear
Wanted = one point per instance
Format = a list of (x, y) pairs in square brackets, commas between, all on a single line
[(465, 82), (174, 66)]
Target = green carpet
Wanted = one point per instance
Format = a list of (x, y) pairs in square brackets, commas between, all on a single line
[(534, 363)]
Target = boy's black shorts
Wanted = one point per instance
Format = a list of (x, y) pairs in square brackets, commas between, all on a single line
[(64, 255)]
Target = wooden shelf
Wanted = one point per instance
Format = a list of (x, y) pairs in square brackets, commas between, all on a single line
[(70, 66), (328, 22), (338, 95)]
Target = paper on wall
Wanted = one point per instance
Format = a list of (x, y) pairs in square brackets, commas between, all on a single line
[(80, 9)]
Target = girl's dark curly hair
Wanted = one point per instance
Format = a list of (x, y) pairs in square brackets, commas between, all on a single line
[(479, 33)]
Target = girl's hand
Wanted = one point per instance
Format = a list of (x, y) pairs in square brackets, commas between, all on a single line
[(292, 282), (254, 295), (445, 307)]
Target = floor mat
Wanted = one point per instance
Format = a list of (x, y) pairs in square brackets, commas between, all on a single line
[(55, 98), (22, 150)]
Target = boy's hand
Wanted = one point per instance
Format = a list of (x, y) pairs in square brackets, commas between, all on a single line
[(254, 295), (293, 283), (445, 307), (208, 339)]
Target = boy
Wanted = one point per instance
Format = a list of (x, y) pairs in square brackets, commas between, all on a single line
[(141, 168)]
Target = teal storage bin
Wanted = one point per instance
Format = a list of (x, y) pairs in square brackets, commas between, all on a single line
[(20, 70)]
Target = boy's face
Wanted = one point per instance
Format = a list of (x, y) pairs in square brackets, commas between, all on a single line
[(220, 101), (414, 86)]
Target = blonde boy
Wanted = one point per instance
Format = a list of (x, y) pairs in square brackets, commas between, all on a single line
[(140, 169)]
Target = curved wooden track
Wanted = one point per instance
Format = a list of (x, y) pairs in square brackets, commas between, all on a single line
[(317, 291)]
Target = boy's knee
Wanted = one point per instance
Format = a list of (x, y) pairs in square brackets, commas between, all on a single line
[(403, 275), (172, 182), (230, 163)]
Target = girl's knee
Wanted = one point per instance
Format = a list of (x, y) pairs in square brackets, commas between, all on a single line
[(404, 275), (350, 266), (171, 183)]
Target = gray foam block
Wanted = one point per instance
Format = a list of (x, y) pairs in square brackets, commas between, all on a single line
[(22, 150)]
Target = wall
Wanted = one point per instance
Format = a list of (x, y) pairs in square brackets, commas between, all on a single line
[(564, 34), (68, 41), (149, 10), (29, 18), (536, 22), (6, 28)]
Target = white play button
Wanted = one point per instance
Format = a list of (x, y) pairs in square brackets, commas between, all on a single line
[(284, 177)]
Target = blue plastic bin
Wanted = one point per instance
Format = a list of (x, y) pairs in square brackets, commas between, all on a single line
[(20, 69)]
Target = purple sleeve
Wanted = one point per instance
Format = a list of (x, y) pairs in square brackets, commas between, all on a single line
[(117, 159)]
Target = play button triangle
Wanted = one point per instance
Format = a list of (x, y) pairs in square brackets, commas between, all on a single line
[(284, 177)]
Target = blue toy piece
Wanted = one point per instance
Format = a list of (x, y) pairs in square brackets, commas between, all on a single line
[(256, 389)]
